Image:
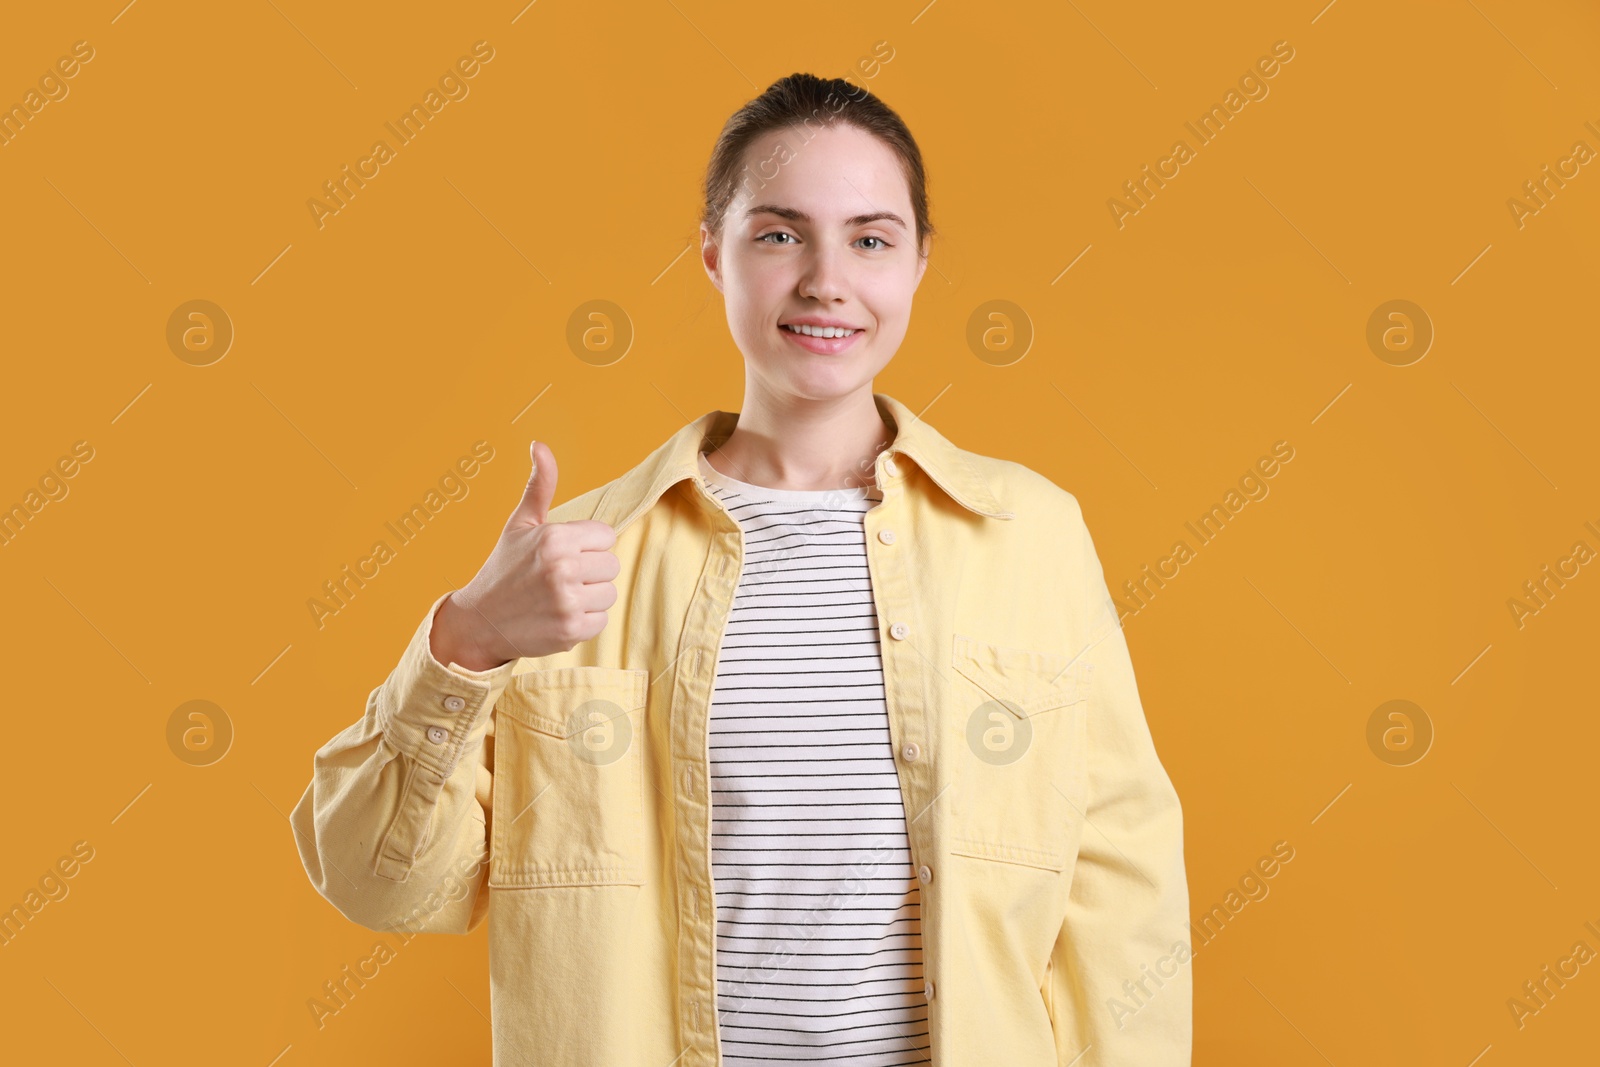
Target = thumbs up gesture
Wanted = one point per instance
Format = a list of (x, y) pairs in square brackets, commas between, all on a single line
[(544, 588)]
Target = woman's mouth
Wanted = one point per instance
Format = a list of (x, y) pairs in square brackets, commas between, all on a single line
[(811, 338)]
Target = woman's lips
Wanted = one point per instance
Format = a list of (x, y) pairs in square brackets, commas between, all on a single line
[(822, 346)]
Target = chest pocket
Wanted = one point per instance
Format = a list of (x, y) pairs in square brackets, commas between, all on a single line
[(568, 806), (1020, 778)]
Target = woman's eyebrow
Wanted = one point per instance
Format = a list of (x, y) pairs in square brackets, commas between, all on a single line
[(796, 215)]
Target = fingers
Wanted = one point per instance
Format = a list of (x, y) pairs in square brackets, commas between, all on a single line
[(597, 596), (590, 535), (598, 566)]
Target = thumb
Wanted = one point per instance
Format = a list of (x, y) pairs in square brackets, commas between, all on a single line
[(535, 503)]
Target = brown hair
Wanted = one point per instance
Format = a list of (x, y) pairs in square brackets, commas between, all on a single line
[(801, 100)]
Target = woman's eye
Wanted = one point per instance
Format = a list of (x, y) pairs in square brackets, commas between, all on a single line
[(789, 238)]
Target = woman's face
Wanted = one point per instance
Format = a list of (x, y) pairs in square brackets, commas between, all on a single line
[(821, 232)]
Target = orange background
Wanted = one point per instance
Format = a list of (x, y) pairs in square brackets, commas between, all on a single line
[(1228, 314)]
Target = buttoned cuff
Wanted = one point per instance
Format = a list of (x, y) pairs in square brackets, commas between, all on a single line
[(431, 712)]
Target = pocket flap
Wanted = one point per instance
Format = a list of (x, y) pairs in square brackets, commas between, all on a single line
[(1021, 679), (543, 700)]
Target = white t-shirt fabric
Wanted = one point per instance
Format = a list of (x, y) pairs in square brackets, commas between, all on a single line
[(819, 943)]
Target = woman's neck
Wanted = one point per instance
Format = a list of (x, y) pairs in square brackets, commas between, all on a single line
[(798, 443)]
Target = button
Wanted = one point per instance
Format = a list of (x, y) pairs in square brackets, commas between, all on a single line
[(899, 630), (438, 734), (925, 874), (454, 703), (886, 536), (911, 752), (927, 990), (890, 469)]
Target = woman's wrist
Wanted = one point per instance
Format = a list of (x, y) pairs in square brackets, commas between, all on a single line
[(455, 640)]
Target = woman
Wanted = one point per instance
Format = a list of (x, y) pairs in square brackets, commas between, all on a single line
[(813, 738)]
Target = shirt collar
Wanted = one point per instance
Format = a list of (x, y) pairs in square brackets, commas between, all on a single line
[(949, 467)]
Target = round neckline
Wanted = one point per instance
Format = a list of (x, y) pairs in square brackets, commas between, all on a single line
[(762, 492)]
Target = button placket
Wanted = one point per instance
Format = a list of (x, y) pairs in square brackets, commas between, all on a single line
[(707, 622), (894, 594)]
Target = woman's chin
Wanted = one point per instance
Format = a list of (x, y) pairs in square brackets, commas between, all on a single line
[(827, 380)]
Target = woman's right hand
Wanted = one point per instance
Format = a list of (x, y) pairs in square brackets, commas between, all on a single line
[(544, 588)]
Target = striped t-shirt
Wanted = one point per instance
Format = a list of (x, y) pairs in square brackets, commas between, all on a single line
[(819, 944)]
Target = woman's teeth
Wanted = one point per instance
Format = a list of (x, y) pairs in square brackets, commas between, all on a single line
[(820, 331)]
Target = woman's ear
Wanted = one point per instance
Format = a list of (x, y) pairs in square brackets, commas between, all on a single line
[(711, 256)]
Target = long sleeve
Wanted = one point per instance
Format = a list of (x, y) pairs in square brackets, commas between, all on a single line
[(392, 828), (1120, 977)]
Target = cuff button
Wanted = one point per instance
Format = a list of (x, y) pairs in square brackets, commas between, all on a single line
[(437, 734), (454, 703)]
